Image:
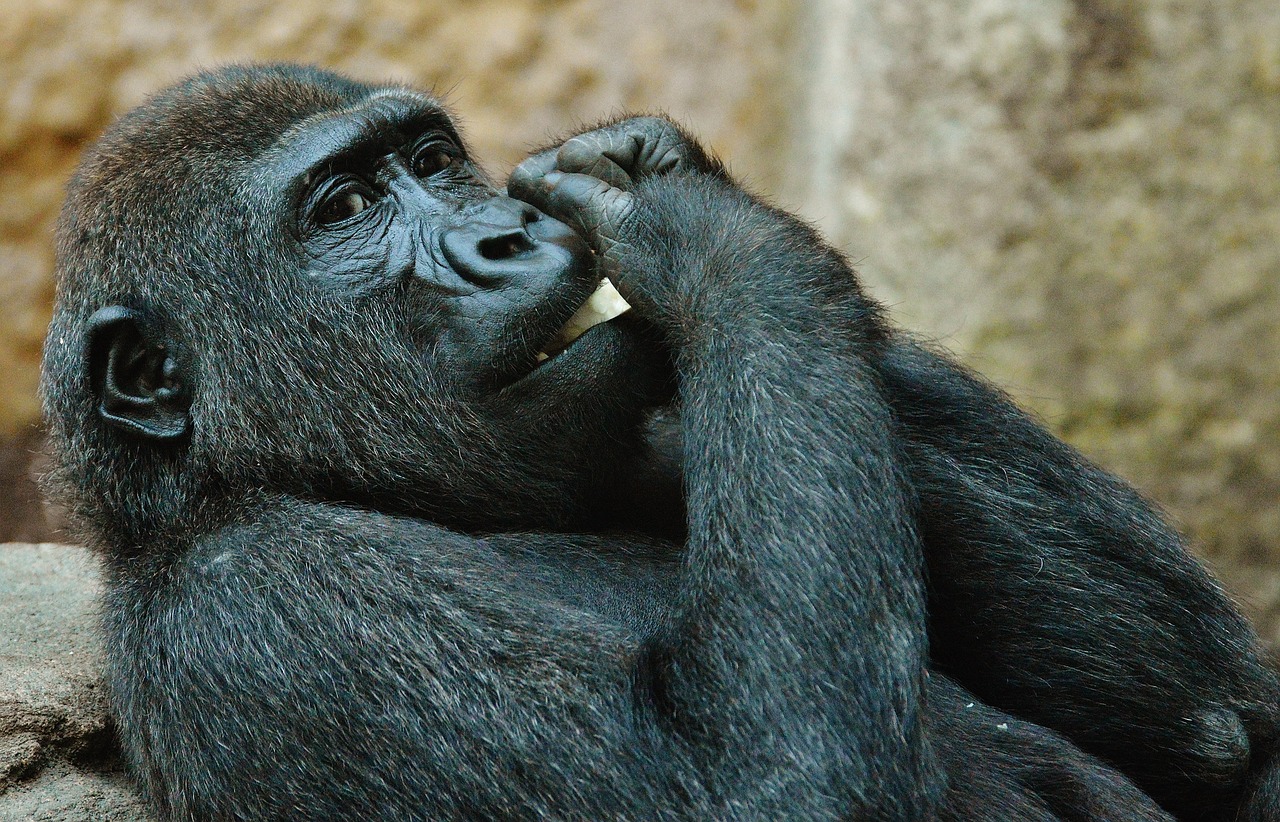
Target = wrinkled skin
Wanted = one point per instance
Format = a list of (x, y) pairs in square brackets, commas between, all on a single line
[(744, 552)]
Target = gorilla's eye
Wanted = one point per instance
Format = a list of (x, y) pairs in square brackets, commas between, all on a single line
[(343, 202), (432, 156)]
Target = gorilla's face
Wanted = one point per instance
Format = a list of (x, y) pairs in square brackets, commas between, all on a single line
[(386, 201), (317, 284), (393, 222)]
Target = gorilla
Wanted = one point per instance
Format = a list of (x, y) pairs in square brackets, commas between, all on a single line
[(402, 519)]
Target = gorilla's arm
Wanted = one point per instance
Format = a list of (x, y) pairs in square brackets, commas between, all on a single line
[(319, 662), (1057, 593), (1001, 768), (797, 506), (1055, 590)]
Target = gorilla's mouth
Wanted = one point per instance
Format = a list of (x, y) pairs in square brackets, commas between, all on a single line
[(603, 305)]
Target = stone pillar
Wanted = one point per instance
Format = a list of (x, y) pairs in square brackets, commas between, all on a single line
[(1082, 199)]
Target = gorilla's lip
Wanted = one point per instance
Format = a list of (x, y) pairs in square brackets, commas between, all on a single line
[(604, 304), (592, 363), (534, 363)]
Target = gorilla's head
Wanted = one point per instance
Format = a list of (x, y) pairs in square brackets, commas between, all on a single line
[(277, 279)]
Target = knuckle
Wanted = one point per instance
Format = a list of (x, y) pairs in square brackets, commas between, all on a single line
[(574, 145), (532, 168), (580, 145), (663, 128), (652, 123), (598, 196), (520, 176)]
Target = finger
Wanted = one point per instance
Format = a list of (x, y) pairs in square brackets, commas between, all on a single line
[(607, 154), (622, 153), (526, 176), (589, 205), (659, 147)]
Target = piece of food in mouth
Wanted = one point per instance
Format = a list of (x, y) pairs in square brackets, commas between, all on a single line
[(603, 305)]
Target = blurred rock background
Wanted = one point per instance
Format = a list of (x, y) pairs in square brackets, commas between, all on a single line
[(1079, 197)]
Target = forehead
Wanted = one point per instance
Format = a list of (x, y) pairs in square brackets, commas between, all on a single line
[(383, 109), (383, 120)]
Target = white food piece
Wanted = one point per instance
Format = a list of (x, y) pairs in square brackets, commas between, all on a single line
[(603, 305)]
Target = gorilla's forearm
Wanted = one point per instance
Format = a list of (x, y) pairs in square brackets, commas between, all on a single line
[(797, 506), (316, 662)]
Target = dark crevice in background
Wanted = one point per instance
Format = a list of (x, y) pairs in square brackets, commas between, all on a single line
[(22, 514)]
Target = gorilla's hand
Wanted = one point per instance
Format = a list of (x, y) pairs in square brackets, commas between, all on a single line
[(621, 153), (612, 185), (596, 209)]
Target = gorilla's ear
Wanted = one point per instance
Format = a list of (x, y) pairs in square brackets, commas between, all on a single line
[(134, 379)]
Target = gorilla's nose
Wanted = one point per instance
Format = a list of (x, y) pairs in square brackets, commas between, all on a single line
[(495, 242)]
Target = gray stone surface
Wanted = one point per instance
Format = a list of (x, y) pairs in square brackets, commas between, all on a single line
[(57, 758), (65, 793)]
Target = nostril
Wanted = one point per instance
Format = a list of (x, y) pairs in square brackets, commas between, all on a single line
[(527, 214), (504, 246)]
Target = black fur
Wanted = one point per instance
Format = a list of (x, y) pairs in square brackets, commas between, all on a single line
[(365, 561), (1058, 594)]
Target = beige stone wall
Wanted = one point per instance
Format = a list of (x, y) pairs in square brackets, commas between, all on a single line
[(1082, 197), (517, 71)]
